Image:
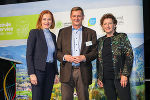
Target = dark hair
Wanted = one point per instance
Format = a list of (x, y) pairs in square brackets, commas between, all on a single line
[(76, 9), (39, 24), (108, 15)]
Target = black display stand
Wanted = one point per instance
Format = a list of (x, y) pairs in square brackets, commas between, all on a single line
[(146, 15), (5, 66)]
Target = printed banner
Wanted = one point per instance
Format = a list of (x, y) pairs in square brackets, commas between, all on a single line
[(16, 27)]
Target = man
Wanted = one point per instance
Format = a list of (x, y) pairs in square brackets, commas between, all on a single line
[(76, 49)]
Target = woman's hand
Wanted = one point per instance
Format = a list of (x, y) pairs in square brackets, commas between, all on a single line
[(100, 83), (33, 79), (123, 81), (56, 79)]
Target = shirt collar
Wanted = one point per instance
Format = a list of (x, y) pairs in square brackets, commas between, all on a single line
[(77, 29), (46, 30), (115, 33)]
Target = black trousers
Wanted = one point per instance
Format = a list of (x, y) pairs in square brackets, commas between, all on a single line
[(45, 81), (113, 89)]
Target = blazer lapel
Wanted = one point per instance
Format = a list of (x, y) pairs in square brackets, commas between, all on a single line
[(69, 39), (84, 38), (42, 39), (54, 40)]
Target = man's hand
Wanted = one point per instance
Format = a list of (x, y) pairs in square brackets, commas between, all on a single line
[(78, 59), (33, 79), (69, 58)]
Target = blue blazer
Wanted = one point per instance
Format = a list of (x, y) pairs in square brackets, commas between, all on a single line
[(37, 51)]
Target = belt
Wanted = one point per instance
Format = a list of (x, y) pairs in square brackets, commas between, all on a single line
[(76, 67), (50, 62)]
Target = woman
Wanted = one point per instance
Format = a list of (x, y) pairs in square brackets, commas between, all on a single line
[(115, 60), (41, 57)]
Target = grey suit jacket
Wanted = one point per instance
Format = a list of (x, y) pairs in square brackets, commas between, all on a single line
[(64, 48), (37, 51)]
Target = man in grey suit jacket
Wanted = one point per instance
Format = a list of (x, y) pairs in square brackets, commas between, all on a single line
[(76, 48)]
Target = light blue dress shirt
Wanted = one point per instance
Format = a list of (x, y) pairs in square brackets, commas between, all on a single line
[(50, 45), (76, 43)]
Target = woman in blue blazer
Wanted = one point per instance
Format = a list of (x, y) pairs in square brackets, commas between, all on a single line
[(41, 57)]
